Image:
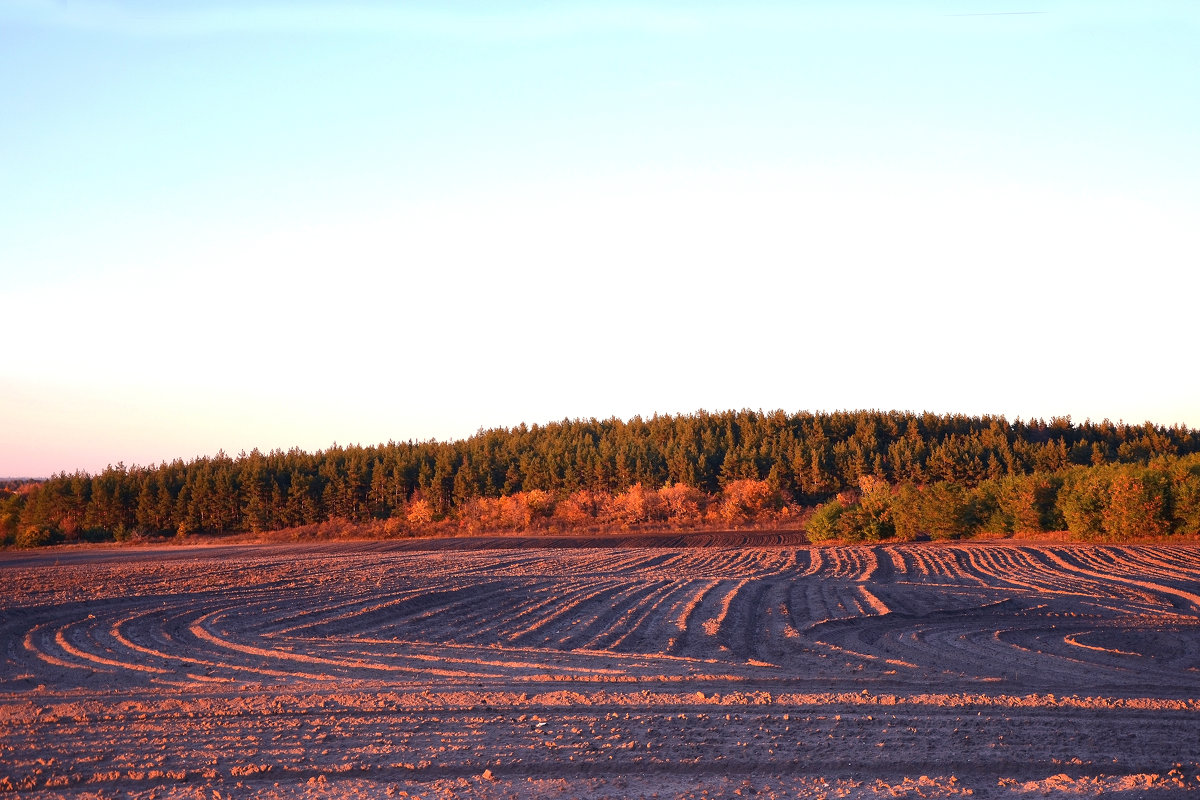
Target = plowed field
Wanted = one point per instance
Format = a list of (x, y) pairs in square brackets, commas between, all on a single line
[(377, 669)]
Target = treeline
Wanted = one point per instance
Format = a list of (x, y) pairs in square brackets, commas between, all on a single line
[(801, 459), (1113, 502)]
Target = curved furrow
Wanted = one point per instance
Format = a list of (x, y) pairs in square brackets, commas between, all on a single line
[(801, 561), (578, 624), (867, 559), (42, 641), (995, 568), (1110, 559), (707, 616), (785, 563), (648, 563), (145, 634), (648, 628), (747, 563), (737, 564), (362, 610), (1057, 576), (871, 601), (1169, 650), (660, 626), (1117, 618), (177, 635), (956, 567), (1135, 563), (781, 629), (680, 612), (588, 565), (677, 562), (899, 568), (511, 562), (115, 640), (799, 614), (559, 614), (1174, 597), (707, 563), (824, 599), (833, 564), (269, 619), (711, 563), (922, 564), (694, 610), (1048, 654), (759, 563), (965, 566), (307, 664), (1066, 578), (499, 616), (908, 563), (1015, 652), (75, 640), (858, 600), (623, 561), (930, 566), (483, 662), (816, 563), (685, 563), (740, 627), (135, 633), (817, 601), (613, 621), (1019, 568), (762, 630), (774, 562), (1025, 646), (88, 642), (1185, 557), (450, 610), (880, 568), (850, 562), (473, 618), (952, 642), (848, 642)]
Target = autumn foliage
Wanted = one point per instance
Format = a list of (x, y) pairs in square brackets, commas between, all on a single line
[(742, 503), (869, 475)]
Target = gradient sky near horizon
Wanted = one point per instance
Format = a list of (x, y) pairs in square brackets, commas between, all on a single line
[(270, 224)]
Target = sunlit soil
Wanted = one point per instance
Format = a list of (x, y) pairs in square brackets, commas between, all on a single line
[(379, 670)]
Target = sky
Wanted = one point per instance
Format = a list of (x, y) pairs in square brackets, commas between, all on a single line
[(288, 224)]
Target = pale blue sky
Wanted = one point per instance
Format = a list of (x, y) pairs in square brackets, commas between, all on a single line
[(274, 224)]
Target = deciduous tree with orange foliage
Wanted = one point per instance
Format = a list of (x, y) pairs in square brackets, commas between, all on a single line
[(635, 506), (684, 504), (746, 500)]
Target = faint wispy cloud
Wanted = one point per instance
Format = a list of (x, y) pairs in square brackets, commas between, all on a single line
[(158, 20), (998, 14)]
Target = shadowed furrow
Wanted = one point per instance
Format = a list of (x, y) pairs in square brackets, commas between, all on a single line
[(1019, 616)]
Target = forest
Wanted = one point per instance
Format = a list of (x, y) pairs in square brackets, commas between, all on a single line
[(846, 476)]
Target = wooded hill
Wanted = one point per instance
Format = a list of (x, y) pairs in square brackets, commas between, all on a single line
[(726, 468)]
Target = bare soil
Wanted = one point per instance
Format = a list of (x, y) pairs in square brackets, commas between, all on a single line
[(724, 665)]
